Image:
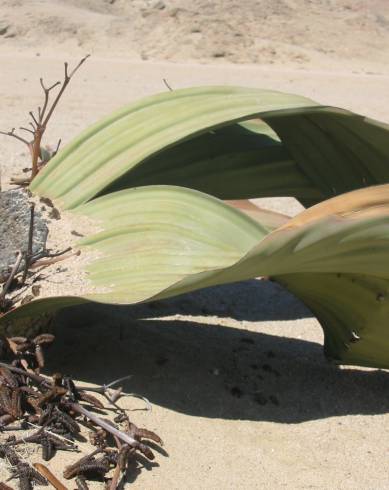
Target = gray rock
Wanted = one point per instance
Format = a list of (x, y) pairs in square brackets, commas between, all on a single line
[(14, 226)]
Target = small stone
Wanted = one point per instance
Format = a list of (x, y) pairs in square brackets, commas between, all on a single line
[(159, 5), (174, 11), (54, 214), (14, 226), (47, 201), (27, 299)]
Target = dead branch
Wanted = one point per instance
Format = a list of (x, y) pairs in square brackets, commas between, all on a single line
[(46, 473), (10, 278), (112, 430), (65, 83), (55, 406), (57, 148), (118, 469), (46, 91), (26, 129), (167, 84), (14, 135), (29, 245), (39, 123), (53, 260), (23, 181), (46, 382)]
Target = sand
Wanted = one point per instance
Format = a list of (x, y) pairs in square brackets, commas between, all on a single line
[(241, 392), (296, 32)]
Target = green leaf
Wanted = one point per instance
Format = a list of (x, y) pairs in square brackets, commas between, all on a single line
[(233, 162), (158, 242), (155, 236), (114, 147), (208, 138)]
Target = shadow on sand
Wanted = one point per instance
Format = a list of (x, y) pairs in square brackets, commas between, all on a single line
[(210, 370), (254, 300)]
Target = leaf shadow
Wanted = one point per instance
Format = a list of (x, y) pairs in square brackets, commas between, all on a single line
[(210, 370), (252, 300)]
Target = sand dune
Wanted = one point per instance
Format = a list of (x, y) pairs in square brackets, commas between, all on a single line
[(300, 32)]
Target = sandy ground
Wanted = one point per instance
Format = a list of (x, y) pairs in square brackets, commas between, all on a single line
[(241, 392), (354, 33)]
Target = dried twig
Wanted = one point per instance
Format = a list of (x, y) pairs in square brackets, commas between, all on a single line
[(118, 469), (29, 245), (35, 260), (67, 78), (167, 85), (56, 254), (23, 181), (4, 486), (105, 388), (14, 135), (149, 407), (53, 259), (55, 406), (46, 473), (39, 123), (57, 148), (59, 436), (36, 377), (42, 381), (10, 278), (112, 430)]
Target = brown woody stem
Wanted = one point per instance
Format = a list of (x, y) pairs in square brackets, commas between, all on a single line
[(13, 135), (44, 471), (36, 150), (105, 425), (10, 278), (117, 471), (39, 123), (29, 245)]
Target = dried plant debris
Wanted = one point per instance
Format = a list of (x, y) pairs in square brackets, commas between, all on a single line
[(27, 475), (39, 255), (4, 486), (38, 124), (52, 413), (14, 228), (24, 229)]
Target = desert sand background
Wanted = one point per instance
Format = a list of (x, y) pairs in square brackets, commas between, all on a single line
[(241, 392)]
